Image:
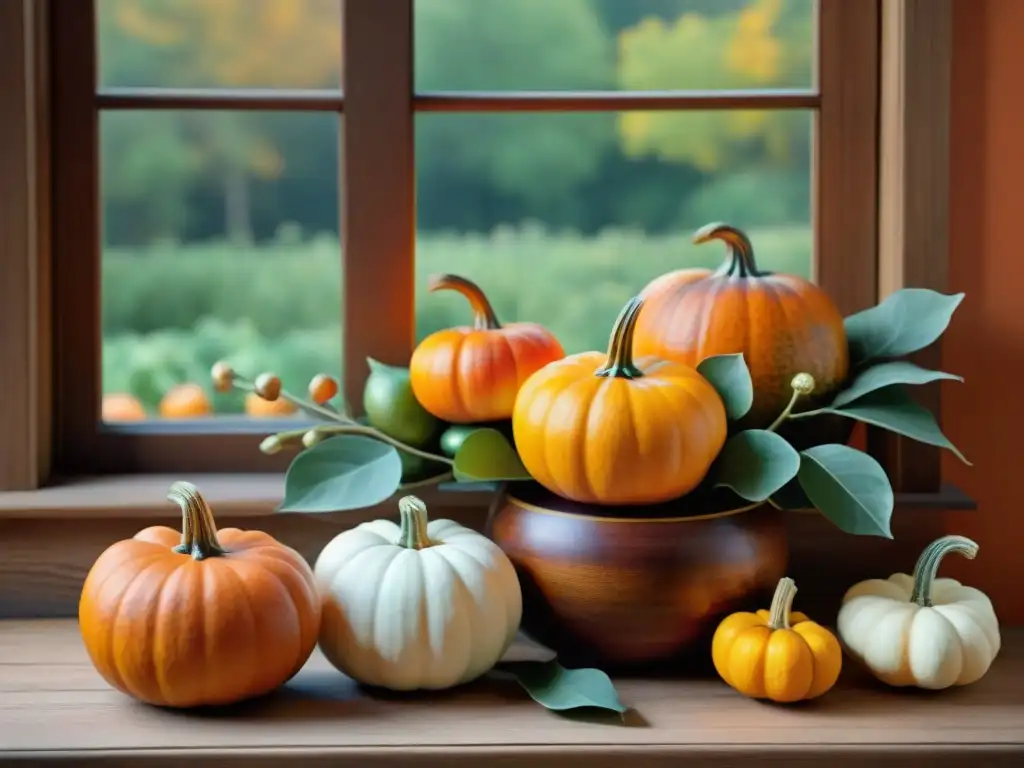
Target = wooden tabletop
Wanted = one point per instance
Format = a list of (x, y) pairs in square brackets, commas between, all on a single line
[(54, 706)]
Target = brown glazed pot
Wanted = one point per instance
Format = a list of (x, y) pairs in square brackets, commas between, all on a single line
[(626, 586)]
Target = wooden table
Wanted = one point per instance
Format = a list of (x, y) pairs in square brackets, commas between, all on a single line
[(54, 709)]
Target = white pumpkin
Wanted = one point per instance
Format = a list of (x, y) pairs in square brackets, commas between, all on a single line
[(919, 630), (417, 605)]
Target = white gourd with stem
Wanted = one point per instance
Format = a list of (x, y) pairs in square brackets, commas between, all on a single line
[(921, 630), (418, 605)]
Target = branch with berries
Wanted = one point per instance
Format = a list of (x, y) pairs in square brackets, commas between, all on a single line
[(334, 420)]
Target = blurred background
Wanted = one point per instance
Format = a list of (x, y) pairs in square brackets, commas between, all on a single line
[(221, 233)]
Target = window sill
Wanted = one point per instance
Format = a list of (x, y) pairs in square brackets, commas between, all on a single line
[(55, 706), (258, 494)]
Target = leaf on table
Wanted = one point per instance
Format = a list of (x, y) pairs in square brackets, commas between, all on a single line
[(729, 375), (886, 374), (906, 321), (345, 472), (756, 463), (894, 409), (487, 455), (554, 687), (849, 487)]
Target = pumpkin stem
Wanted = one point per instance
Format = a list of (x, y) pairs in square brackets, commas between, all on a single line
[(928, 564), (802, 385), (620, 345), (198, 529), (782, 604), (740, 252), (413, 526), (484, 318)]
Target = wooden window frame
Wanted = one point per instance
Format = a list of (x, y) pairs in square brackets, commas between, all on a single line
[(883, 76)]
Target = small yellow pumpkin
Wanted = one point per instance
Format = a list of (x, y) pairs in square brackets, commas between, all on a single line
[(779, 654)]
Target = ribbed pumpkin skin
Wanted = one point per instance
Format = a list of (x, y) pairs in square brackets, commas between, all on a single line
[(782, 324), (467, 375), (175, 631), (608, 429)]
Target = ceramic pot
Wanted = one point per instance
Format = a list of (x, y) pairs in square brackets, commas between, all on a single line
[(617, 586)]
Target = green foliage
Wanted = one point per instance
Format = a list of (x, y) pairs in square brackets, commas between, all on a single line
[(894, 409), (756, 464), (170, 312), (730, 377), (556, 688), (849, 487), (885, 375), (486, 455), (195, 175), (346, 472), (904, 322)]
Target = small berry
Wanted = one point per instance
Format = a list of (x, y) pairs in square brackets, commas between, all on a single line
[(271, 444), (268, 386), (311, 438), (803, 384), (223, 376), (322, 388)]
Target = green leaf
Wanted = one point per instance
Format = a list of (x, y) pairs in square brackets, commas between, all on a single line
[(729, 375), (894, 409), (792, 496), (487, 455), (346, 472), (906, 321), (849, 487), (885, 374), (756, 463), (553, 686)]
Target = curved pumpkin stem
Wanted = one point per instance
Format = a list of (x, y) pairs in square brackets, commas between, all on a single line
[(928, 564), (782, 604), (740, 251), (484, 318), (413, 526), (198, 529), (620, 345)]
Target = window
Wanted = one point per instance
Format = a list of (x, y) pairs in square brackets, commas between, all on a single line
[(205, 156)]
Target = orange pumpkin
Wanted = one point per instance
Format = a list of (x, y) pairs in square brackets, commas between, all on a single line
[(608, 429), (466, 375), (185, 401), (120, 406), (261, 408), (197, 617), (782, 324)]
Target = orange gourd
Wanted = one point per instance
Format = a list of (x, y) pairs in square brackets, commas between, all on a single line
[(782, 324), (199, 617), (467, 375), (779, 654), (185, 401), (120, 406), (608, 429), (260, 408)]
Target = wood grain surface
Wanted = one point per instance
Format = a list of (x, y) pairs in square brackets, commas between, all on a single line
[(53, 706)]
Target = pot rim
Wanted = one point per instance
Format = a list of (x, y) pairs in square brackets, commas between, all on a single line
[(527, 505)]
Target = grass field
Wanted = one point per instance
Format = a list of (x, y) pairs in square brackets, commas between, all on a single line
[(170, 311)]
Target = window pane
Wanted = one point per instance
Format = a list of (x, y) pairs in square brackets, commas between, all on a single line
[(493, 45), (561, 218), (220, 242), (219, 43)]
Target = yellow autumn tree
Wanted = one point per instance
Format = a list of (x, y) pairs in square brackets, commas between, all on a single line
[(767, 44), (217, 44)]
